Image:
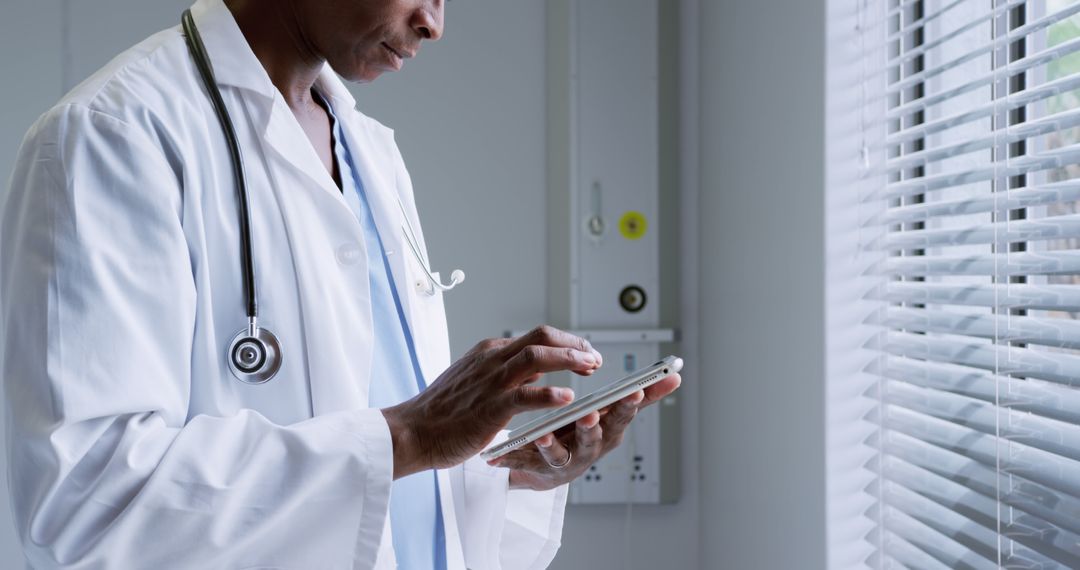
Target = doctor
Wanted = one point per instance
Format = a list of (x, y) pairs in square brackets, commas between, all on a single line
[(132, 443)]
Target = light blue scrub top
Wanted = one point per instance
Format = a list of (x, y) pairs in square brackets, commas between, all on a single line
[(415, 514)]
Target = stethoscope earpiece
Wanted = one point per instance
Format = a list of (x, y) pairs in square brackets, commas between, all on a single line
[(457, 276)]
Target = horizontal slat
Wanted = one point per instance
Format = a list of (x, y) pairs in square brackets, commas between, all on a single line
[(1003, 104), (1029, 395), (1057, 507), (981, 540), (919, 23), (1016, 556), (1001, 296), (990, 139), (1046, 331), (901, 7), (900, 554), (983, 50), (1037, 229), (1052, 193), (1035, 465), (1047, 160), (1035, 497), (1022, 65), (977, 507), (945, 505), (991, 264), (905, 554), (1050, 366), (1043, 537), (1051, 436), (984, 17), (934, 543)]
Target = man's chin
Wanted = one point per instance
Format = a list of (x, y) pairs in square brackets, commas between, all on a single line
[(365, 74)]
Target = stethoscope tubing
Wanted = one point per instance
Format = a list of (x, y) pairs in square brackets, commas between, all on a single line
[(414, 246), (206, 72)]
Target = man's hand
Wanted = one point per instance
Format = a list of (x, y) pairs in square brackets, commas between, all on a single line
[(462, 411), (577, 447)]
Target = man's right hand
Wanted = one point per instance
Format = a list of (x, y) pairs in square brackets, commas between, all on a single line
[(464, 408)]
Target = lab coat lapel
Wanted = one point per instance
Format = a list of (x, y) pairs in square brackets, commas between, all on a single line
[(288, 140), (235, 65), (233, 62)]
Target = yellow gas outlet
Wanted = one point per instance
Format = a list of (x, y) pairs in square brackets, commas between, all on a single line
[(632, 225)]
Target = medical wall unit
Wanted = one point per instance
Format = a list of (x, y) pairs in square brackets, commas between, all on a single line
[(604, 250)]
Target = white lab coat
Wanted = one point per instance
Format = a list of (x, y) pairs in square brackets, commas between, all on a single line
[(130, 443)]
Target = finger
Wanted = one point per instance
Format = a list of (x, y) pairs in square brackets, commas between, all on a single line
[(566, 432), (553, 451), (545, 335), (618, 418), (526, 458), (588, 437), (537, 359), (526, 398), (636, 399), (661, 389), (588, 372), (622, 413)]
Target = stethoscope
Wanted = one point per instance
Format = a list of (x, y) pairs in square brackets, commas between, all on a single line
[(254, 354)]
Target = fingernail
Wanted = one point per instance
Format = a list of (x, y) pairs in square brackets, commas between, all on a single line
[(564, 394), (588, 358), (544, 441)]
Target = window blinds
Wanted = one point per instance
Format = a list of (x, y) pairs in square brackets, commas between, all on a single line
[(969, 207)]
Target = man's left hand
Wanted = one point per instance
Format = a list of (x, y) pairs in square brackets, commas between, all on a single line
[(561, 457)]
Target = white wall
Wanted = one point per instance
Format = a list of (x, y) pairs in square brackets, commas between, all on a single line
[(30, 60), (762, 284)]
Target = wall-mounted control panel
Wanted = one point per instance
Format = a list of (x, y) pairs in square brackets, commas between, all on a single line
[(603, 219)]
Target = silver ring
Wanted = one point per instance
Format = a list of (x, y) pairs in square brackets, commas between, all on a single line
[(569, 456)]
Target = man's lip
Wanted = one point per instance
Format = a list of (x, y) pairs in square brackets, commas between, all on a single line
[(397, 52)]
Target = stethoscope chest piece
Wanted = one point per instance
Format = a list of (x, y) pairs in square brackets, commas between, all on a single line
[(254, 359)]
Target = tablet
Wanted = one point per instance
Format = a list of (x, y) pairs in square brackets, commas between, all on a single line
[(582, 407)]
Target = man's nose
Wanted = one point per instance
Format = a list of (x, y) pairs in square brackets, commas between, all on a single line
[(428, 21)]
